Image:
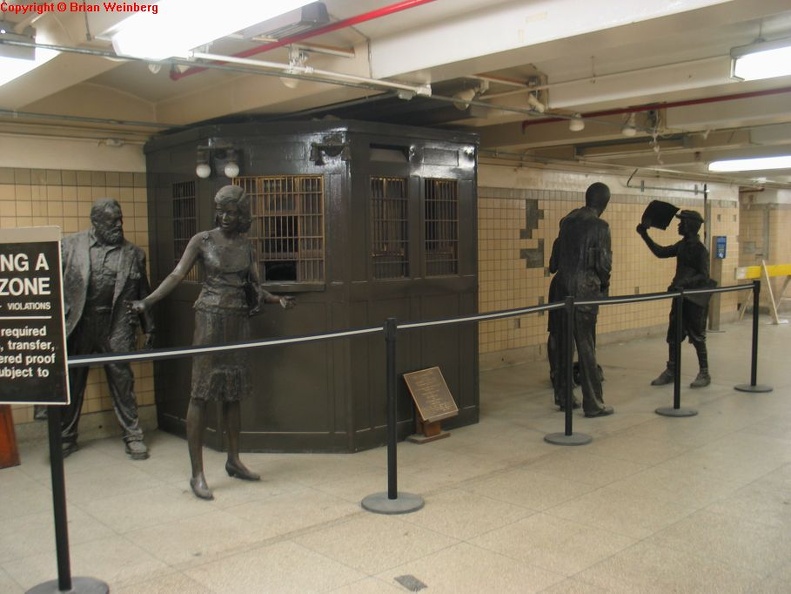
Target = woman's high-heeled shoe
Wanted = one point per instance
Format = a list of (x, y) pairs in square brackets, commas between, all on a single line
[(200, 488), (241, 472)]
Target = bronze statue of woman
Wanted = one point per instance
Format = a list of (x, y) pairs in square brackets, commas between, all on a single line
[(222, 316)]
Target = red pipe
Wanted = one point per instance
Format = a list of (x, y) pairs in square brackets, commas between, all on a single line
[(350, 22), (650, 106)]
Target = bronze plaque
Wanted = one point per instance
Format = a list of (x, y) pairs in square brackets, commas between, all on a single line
[(431, 395)]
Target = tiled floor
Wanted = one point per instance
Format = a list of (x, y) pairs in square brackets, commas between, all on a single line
[(652, 504)]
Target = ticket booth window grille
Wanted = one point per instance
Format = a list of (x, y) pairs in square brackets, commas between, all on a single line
[(389, 224), (288, 226), (441, 227), (185, 222)]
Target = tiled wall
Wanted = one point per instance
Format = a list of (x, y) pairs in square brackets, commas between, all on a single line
[(516, 230), (519, 213), (35, 197), (764, 236)]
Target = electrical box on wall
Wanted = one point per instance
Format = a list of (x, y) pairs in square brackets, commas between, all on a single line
[(720, 246)]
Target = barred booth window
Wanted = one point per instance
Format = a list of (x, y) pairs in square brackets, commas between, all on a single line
[(389, 236), (441, 227), (288, 226), (185, 222)]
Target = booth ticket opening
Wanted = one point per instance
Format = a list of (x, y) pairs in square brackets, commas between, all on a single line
[(33, 365)]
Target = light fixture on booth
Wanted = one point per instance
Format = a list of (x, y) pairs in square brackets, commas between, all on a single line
[(764, 59), (576, 123), (629, 127), (217, 156), (231, 168), (203, 169)]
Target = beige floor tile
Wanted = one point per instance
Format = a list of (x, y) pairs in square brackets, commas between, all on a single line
[(113, 560), (355, 487), (776, 583), (734, 541), (463, 515), (557, 545), (576, 464), (573, 586), (35, 533), (650, 569), (280, 568), (373, 543), (8, 585), (635, 448), (108, 480), (688, 490), (758, 503), (633, 516), (466, 568), (652, 504), (370, 585), (148, 508), (275, 515), (175, 583), (196, 539), (22, 495), (529, 489)]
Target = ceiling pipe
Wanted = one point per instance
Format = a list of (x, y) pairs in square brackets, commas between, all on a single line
[(342, 24), (667, 105), (411, 90)]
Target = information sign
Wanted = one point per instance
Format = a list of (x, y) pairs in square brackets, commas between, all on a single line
[(33, 365)]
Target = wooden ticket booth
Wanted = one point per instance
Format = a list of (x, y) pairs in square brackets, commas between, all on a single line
[(360, 222)]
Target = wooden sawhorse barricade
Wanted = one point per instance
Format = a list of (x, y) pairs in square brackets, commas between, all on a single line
[(767, 271)]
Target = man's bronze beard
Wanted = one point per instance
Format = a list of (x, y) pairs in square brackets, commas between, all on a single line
[(109, 236)]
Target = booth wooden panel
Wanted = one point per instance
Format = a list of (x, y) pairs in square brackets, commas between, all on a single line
[(330, 395)]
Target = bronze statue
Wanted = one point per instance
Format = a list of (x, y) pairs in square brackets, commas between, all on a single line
[(101, 271), (582, 261), (231, 293), (692, 272)]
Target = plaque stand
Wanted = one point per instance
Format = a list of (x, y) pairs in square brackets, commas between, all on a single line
[(433, 404), (427, 431)]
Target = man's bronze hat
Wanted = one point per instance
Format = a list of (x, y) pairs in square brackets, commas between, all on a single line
[(692, 215)]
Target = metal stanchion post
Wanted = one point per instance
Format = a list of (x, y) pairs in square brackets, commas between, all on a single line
[(676, 410), (568, 438), (392, 502), (64, 583), (752, 386)]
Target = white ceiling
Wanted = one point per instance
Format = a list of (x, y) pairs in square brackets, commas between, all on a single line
[(667, 61)]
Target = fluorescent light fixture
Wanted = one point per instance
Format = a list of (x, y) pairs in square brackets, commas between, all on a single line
[(767, 59), (755, 164), (178, 26), (17, 61)]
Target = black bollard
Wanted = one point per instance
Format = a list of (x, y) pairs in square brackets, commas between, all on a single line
[(753, 385), (676, 410)]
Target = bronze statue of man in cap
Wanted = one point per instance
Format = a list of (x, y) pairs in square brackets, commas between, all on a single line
[(692, 272)]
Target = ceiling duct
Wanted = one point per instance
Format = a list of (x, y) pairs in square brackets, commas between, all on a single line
[(291, 23), (17, 52)]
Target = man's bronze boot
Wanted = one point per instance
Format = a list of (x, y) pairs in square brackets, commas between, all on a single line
[(702, 380)]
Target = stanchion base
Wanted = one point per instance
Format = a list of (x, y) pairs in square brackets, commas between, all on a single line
[(751, 388), (404, 503), (669, 411), (574, 439), (79, 585)]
